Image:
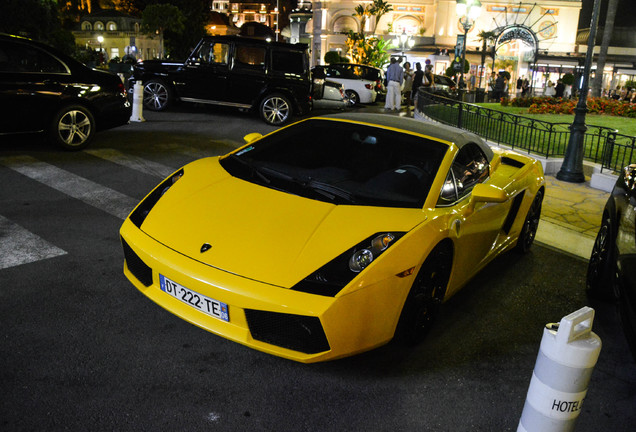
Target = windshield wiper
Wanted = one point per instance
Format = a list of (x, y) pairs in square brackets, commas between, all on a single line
[(328, 190), (253, 169)]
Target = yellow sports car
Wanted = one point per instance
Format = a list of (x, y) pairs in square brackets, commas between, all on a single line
[(330, 236)]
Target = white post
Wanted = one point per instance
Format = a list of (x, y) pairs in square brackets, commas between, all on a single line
[(138, 103), (567, 356)]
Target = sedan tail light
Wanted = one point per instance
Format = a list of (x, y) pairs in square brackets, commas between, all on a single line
[(121, 88), (369, 86)]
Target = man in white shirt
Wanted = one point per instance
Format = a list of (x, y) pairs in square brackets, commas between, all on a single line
[(394, 78)]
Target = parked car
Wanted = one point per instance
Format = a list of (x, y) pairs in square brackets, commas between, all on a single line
[(328, 237), (271, 78), (45, 91), (358, 90), (329, 95), (611, 272), (366, 72), (445, 86)]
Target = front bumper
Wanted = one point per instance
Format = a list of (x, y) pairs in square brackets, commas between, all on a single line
[(279, 321)]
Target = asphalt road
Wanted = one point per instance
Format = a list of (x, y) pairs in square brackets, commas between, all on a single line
[(83, 350)]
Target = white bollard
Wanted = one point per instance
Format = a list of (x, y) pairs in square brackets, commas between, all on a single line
[(138, 101), (569, 350)]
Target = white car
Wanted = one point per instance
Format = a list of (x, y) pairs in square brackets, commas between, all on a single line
[(358, 90), (329, 95)]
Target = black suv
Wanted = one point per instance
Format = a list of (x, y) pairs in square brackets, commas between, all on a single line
[(270, 77), (44, 90)]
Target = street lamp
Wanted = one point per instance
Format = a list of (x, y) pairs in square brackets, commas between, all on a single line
[(468, 11), (403, 40), (572, 167), (100, 39)]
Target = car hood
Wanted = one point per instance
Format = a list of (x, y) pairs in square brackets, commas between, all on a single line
[(261, 233)]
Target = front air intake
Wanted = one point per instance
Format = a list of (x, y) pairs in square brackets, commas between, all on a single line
[(137, 267), (295, 332)]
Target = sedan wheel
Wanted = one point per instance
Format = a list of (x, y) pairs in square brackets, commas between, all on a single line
[(423, 302), (354, 99), (275, 109), (530, 225), (72, 128), (156, 96), (600, 270)]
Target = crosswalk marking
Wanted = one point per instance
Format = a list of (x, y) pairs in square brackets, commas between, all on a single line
[(101, 197), (133, 162), (20, 246)]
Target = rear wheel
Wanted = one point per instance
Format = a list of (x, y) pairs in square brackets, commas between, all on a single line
[(72, 128), (157, 95), (427, 293), (530, 225), (275, 109), (601, 272), (354, 99)]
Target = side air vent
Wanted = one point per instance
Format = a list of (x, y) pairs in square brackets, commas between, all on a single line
[(512, 162), (512, 214)]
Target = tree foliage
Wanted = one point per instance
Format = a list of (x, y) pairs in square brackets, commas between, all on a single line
[(159, 18), (368, 50)]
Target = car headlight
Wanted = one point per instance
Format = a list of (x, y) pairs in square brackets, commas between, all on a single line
[(143, 209), (336, 274)]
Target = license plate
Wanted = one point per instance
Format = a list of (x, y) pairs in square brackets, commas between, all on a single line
[(198, 301)]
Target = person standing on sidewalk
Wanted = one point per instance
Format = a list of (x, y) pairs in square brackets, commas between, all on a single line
[(418, 77), (408, 84), (394, 78)]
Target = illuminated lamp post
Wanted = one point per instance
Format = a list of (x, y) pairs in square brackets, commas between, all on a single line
[(403, 40), (572, 167), (468, 11), (100, 39)]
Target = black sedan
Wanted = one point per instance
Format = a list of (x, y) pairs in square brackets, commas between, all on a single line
[(44, 90), (612, 267)]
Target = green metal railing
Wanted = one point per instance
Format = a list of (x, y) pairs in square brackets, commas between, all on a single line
[(601, 144)]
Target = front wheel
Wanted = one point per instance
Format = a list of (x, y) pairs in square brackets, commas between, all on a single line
[(425, 298), (275, 109), (354, 99), (72, 128), (530, 225), (157, 95)]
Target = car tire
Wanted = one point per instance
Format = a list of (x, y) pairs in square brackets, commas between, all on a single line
[(530, 225), (157, 95), (601, 271), (354, 98), (72, 127), (426, 295), (275, 109)]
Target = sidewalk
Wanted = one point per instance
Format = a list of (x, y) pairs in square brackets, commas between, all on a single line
[(570, 215)]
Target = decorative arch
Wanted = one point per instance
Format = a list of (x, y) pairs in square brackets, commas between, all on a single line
[(87, 25), (99, 26), (111, 26), (518, 32), (344, 23), (409, 23)]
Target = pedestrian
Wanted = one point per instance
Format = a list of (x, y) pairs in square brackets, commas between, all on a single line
[(408, 83), (473, 80), (519, 86), (549, 89), (428, 82), (559, 89), (394, 79), (491, 86), (500, 84), (525, 86), (418, 76)]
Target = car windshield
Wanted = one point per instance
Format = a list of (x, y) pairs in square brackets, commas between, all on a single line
[(342, 163)]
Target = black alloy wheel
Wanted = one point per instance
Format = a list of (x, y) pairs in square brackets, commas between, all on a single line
[(354, 99), (157, 95), (275, 109), (425, 298), (72, 128), (601, 271), (530, 225)]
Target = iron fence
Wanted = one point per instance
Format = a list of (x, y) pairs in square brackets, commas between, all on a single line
[(601, 145)]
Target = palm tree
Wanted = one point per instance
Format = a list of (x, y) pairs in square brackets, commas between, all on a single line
[(378, 10), (597, 85), (485, 37), (362, 13)]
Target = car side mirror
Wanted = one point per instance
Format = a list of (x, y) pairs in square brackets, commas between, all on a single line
[(488, 193), (252, 137)]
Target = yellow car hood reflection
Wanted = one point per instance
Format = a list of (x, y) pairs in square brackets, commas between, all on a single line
[(260, 233)]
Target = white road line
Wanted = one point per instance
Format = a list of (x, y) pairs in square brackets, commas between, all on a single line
[(20, 246), (133, 162), (101, 197)]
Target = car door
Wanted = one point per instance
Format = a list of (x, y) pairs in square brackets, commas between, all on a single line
[(474, 226), (248, 77), (206, 73), (31, 86)]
